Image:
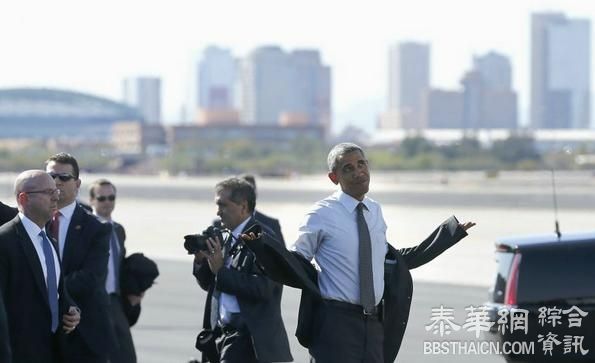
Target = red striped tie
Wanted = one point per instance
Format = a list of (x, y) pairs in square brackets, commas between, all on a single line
[(55, 225)]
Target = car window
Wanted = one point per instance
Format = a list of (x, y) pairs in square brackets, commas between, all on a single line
[(551, 274)]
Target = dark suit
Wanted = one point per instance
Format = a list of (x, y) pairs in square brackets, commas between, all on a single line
[(259, 299), (5, 355), (84, 266), (7, 213), (270, 222), (292, 269), (125, 352), (22, 284)]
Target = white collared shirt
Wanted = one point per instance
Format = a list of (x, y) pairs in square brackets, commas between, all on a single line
[(229, 303), (65, 218), (33, 233), (329, 235)]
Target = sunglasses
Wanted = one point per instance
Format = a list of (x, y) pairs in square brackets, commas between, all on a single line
[(62, 176), (103, 198)]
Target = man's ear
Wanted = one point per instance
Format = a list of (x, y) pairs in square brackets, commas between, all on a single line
[(333, 177)]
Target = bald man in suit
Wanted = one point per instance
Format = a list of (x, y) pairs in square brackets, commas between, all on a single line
[(38, 308)]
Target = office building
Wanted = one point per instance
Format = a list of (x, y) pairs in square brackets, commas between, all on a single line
[(144, 94), (409, 82), (285, 88), (560, 72)]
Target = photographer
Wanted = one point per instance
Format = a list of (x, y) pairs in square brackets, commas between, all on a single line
[(243, 307)]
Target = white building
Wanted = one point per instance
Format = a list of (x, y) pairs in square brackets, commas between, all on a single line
[(560, 71), (408, 84), (285, 88), (217, 76), (144, 93)]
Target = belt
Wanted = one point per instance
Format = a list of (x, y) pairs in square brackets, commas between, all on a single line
[(374, 312)]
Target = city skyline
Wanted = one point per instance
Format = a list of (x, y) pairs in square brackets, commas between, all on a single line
[(93, 47)]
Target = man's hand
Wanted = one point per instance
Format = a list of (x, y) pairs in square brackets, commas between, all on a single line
[(71, 319), (466, 225), (250, 236), (214, 256), (135, 299)]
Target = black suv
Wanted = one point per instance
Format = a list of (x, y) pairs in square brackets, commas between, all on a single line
[(545, 293)]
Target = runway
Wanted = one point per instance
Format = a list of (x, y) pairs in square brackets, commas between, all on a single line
[(172, 316)]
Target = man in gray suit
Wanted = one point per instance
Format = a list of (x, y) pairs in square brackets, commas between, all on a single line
[(243, 306)]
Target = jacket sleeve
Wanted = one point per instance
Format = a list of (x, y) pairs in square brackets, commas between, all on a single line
[(85, 281), (249, 282), (441, 239), (203, 275), (283, 266), (132, 312)]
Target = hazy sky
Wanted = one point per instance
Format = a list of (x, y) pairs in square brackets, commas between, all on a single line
[(90, 46)]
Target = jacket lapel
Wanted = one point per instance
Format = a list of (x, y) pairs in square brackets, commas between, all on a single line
[(32, 259), (73, 234)]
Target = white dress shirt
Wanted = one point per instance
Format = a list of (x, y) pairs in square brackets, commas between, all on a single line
[(65, 217), (329, 236), (228, 304)]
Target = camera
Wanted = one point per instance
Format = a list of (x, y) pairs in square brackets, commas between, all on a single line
[(194, 243)]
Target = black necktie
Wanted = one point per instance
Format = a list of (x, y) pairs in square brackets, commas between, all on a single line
[(366, 277)]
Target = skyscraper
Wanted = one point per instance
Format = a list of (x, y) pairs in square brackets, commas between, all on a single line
[(285, 88), (409, 81), (217, 77), (144, 93), (560, 71), (488, 99)]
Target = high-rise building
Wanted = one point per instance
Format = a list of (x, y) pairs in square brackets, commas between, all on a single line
[(488, 99), (560, 71), (442, 109), (495, 70), (409, 81), (217, 77), (144, 93), (285, 88)]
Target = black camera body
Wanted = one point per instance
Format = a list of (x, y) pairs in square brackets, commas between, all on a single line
[(194, 243)]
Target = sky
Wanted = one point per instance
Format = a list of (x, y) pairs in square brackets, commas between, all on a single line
[(91, 46)]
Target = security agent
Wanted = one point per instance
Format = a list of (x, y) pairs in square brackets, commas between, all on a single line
[(243, 306)]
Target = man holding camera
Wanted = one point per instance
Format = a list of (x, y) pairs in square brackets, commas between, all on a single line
[(243, 306)]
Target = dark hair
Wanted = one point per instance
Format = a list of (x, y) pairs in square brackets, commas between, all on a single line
[(250, 179), (239, 190), (98, 183), (338, 151), (65, 158)]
